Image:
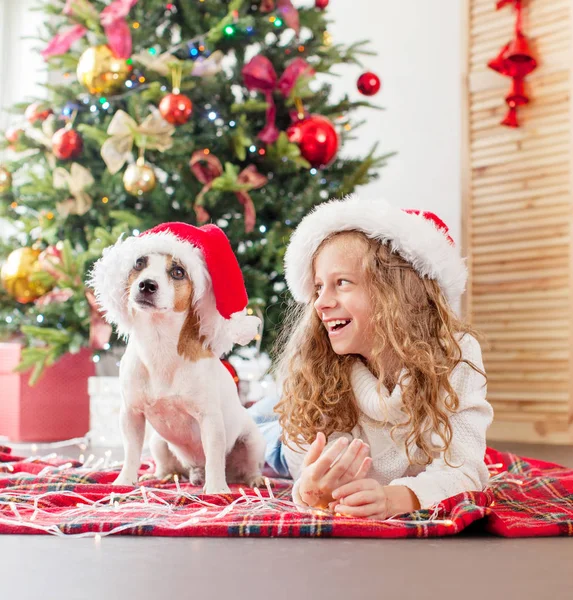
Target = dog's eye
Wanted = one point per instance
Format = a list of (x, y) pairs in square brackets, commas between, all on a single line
[(177, 273), (140, 264)]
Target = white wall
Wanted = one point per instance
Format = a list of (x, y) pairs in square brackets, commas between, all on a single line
[(21, 70), (418, 46), (418, 43)]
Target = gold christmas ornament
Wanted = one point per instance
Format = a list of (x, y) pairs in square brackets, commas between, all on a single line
[(16, 272), (139, 178), (101, 71), (5, 180)]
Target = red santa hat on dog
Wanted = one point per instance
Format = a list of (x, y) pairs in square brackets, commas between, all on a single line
[(421, 238), (220, 296)]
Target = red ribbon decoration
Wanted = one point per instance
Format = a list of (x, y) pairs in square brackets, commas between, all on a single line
[(207, 167), (100, 329), (112, 19), (260, 75), (514, 60)]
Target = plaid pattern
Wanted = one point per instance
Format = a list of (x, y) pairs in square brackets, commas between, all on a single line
[(55, 495)]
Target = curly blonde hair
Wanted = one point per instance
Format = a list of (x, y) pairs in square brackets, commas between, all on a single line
[(411, 321)]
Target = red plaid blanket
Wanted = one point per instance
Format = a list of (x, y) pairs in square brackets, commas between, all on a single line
[(56, 495)]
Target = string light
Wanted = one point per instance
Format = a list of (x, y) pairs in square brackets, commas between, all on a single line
[(212, 115), (229, 30), (105, 199), (40, 318), (278, 22), (135, 25)]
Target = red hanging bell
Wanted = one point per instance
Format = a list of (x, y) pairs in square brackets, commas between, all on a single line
[(502, 3), (499, 63), (519, 58), (517, 96), (511, 118)]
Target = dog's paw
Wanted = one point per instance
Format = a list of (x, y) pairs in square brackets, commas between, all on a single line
[(197, 476), (125, 480), (256, 481), (216, 489)]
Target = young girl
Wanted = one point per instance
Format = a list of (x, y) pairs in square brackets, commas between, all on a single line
[(383, 407)]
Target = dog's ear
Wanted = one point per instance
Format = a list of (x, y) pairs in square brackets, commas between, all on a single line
[(191, 343)]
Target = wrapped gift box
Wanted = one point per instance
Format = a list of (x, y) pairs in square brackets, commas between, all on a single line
[(56, 408)]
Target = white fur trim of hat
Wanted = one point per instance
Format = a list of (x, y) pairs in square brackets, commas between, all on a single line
[(420, 238)]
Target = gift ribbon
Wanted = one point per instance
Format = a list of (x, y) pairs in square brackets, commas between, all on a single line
[(260, 75), (207, 167)]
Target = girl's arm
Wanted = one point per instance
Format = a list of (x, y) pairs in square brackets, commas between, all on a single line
[(468, 471)]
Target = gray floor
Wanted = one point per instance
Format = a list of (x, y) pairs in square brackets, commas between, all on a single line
[(468, 567)]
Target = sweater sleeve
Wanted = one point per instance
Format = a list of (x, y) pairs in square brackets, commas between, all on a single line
[(469, 425), (295, 457)]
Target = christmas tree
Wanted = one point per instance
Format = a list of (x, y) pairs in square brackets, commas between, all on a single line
[(191, 110)]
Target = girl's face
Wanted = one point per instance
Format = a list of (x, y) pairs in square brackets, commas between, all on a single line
[(342, 299)]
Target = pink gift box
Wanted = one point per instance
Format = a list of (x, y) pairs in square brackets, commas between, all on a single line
[(56, 408)]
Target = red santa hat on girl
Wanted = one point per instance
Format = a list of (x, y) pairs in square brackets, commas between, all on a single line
[(421, 238), (220, 297)]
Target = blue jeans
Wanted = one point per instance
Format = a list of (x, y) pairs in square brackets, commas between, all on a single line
[(268, 423)]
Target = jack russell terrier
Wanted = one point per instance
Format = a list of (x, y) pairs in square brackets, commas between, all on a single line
[(177, 294)]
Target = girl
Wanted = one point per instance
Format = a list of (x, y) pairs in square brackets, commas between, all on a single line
[(383, 407)]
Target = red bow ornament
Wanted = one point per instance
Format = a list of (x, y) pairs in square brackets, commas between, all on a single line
[(260, 75), (207, 168), (112, 19)]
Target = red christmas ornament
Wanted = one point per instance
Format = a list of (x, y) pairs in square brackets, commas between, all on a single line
[(231, 370), (519, 59), (321, 4), (368, 83), (37, 111), (316, 138), (176, 108), (511, 118), (12, 135), (514, 60), (516, 96), (67, 144)]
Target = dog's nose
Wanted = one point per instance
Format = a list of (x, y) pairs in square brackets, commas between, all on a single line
[(148, 286)]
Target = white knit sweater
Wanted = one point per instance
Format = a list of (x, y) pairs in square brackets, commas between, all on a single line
[(390, 466)]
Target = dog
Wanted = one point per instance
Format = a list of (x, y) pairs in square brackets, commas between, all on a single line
[(171, 375)]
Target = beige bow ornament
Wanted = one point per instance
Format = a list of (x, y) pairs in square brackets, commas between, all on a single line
[(154, 133), (76, 181)]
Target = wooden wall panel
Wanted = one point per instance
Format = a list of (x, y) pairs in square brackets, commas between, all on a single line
[(517, 211)]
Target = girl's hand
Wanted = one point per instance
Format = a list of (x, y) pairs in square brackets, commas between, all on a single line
[(319, 476), (368, 499)]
